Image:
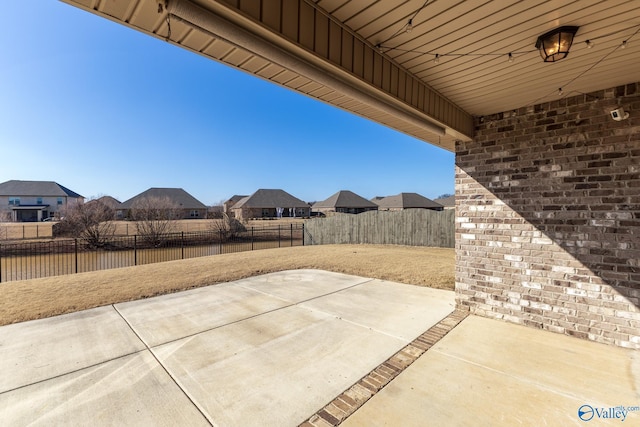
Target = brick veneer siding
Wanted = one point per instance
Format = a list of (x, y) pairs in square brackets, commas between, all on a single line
[(548, 217)]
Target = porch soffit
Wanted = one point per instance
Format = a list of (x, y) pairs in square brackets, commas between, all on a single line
[(326, 49)]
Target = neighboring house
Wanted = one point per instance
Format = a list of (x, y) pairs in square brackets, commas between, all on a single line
[(215, 211), (110, 202), (266, 203), (447, 202), (228, 205), (189, 206), (24, 201), (407, 201), (344, 202)]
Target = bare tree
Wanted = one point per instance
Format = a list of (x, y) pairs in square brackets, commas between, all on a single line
[(155, 217), (91, 222), (216, 211), (227, 227)]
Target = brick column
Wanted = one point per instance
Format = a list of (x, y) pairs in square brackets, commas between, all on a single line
[(548, 217)]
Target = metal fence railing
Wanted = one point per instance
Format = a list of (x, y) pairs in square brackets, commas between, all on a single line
[(30, 260)]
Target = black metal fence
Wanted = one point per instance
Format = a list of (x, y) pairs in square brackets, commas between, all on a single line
[(21, 261)]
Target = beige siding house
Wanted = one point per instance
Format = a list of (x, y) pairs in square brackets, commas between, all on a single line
[(26, 201), (229, 204)]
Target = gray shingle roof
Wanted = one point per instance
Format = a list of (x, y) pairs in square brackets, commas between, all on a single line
[(235, 198), (266, 198), (240, 202), (407, 201), (345, 199), (108, 201), (35, 188), (177, 195), (447, 201)]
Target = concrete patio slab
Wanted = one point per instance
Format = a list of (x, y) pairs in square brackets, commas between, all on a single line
[(299, 285), (274, 370), (402, 315), (487, 372), (558, 361), (261, 351), (132, 390), (41, 349), (169, 317)]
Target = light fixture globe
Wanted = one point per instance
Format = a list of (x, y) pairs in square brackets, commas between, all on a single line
[(555, 44)]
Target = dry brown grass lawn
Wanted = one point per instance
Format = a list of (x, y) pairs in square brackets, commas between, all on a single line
[(38, 298), (25, 230)]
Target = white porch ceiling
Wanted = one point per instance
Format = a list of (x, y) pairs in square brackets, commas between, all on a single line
[(399, 84)]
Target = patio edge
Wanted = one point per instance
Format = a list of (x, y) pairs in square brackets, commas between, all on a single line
[(354, 397)]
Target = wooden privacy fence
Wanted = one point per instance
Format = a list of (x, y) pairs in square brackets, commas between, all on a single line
[(412, 227)]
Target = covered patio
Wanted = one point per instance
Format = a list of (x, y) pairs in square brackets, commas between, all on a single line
[(547, 200), (28, 213)]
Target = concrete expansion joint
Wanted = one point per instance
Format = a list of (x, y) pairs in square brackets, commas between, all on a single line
[(340, 408), (250, 288), (73, 371), (291, 304), (164, 368)]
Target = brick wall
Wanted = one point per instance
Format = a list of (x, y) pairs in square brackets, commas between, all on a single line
[(548, 217)]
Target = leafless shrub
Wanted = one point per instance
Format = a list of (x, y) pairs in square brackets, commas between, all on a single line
[(227, 227), (91, 222), (5, 216), (155, 218), (216, 211)]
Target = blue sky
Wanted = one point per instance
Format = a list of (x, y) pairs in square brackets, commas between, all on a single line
[(106, 110)]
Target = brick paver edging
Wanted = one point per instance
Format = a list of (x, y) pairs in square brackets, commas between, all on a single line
[(353, 398)]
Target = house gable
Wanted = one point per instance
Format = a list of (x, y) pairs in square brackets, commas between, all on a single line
[(35, 200)]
